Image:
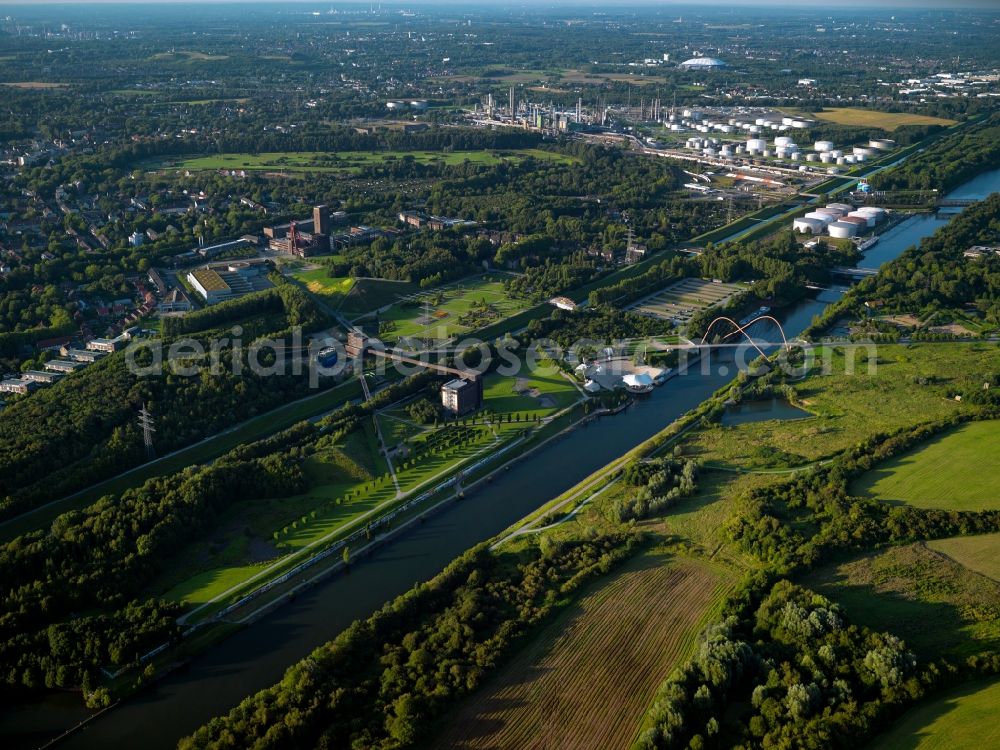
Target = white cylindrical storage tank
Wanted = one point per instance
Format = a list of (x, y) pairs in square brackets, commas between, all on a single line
[(756, 144), (869, 218), (798, 123), (861, 157), (850, 159), (786, 120), (833, 170), (727, 128), (825, 218), (808, 226), (823, 146), (727, 150), (844, 208), (826, 157), (811, 157), (882, 144), (740, 149), (419, 104), (842, 230), (837, 153), (708, 152), (857, 221), (840, 160), (760, 121), (782, 140), (674, 127), (875, 211), (803, 168), (755, 129), (768, 153), (860, 151), (395, 105), (795, 155)]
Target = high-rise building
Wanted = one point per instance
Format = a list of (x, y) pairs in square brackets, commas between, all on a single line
[(321, 220)]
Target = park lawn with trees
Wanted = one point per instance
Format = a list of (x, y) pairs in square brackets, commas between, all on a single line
[(961, 719), (948, 472), (455, 308), (910, 384), (353, 162), (345, 482)]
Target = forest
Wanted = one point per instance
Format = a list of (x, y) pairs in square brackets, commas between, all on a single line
[(83, 429)]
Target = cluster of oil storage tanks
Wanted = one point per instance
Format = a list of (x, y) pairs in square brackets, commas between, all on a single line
[(839, 220), (783, 147)]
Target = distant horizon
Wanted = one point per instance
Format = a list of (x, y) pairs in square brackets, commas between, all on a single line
[(515, 4)]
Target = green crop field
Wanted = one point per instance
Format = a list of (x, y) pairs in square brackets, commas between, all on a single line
[(962, 719), (980, 553), (852, 406), (457, 308), (952, 472), (870, 118), (587, 677), (350, 162), (929, 600)]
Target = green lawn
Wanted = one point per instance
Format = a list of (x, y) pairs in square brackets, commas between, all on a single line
[(962, 719), (367, 295), (955, 471), (530, 393), (350, 162), (978, 553), (332, 290), (452, 310)]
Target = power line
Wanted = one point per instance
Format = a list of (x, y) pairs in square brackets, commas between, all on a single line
[(146, 422)]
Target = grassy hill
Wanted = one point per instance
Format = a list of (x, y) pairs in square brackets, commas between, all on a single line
[(950, 472), (963, 719)]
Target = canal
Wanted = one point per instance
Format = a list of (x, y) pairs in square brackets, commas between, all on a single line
[(257, 656)]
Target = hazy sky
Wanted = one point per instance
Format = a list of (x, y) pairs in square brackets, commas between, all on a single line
[(609, 4)]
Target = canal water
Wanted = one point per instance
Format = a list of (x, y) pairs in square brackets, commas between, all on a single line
[(761, 411), (258, 656)]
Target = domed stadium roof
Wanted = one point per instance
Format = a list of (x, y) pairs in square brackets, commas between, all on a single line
[(703, 62)]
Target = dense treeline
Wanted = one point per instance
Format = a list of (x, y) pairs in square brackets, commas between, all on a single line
[(949, 162), (384, 681), (73, 597), (100, 558), (935, 275), (83, 429), (659, 484), (602, 325), (800, 673)]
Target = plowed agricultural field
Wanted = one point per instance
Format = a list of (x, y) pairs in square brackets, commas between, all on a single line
[(586, 680)]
